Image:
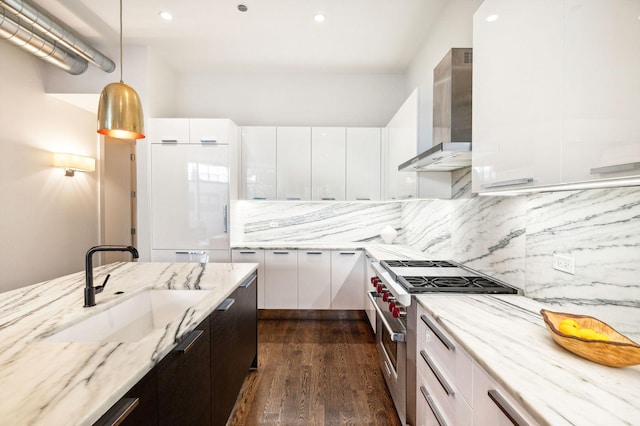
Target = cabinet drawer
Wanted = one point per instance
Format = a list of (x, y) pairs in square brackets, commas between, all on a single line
[(454, 362), (434, 407), (443, 390)]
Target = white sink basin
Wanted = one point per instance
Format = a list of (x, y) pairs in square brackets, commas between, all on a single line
[(132, 319)]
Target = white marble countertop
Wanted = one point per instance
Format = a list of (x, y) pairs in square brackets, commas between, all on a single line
[(49, 383), (376, 251), (507, 336)]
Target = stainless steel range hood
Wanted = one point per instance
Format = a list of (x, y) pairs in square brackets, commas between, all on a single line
[(452, 82)]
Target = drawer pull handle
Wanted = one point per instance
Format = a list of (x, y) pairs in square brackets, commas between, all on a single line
[(506, 408), (293, 198), (314, 252), (280, 252), (247, 252), (445, 341), (511, 182), (225, 305), (169, 140), (363, 199), (627, 167), (347, 253), (433, 406), (205, 140), (443, 382), (119, 412), (247, 283), (186, 345)]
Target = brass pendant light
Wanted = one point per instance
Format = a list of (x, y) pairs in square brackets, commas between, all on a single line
[(120, 110)]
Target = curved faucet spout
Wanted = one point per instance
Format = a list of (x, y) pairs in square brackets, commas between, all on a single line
[(89, 290)]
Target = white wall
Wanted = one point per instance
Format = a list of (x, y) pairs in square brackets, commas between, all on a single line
[(48, 220), (293, 99), (453, 28)]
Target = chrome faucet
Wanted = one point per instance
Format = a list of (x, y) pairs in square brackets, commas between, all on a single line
[(89, 290)]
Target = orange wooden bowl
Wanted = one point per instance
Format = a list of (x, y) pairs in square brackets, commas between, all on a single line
[(617, 352)]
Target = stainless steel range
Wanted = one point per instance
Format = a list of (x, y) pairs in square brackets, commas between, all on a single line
[(395, 283)]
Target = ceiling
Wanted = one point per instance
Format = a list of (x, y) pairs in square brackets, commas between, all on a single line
[(357, 36)]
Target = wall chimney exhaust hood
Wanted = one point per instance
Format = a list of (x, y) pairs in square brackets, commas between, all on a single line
[(452, 82)]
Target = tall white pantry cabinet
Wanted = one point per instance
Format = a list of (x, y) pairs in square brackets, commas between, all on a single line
[(191, 183)]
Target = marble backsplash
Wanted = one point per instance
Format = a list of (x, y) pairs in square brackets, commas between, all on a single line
[(304, 221)]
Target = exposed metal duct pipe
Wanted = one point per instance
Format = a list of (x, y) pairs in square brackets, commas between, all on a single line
[(23, 35), (40, 20)]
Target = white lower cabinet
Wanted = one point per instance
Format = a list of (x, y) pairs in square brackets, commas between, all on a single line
[(492, 405), (314, 279), (452, 388), (347, 279), (281, 279), (368, 307), (252, 256), (310, 279)]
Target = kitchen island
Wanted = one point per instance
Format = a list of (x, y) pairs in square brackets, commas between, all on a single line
[(76, 382), (506, 336)]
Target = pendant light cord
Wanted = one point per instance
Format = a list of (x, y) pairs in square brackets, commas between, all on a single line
[(121, 61)]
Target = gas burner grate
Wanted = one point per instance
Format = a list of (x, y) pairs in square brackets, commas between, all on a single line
[(417, 264), (453, 284)]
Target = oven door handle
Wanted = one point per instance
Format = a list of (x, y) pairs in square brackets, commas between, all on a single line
[(395, 336)]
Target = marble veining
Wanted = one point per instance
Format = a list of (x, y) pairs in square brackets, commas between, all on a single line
[(47, 383), (461, 183), (264, 221), (506, 336)]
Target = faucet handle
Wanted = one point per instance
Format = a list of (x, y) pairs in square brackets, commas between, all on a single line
[(101, 287)]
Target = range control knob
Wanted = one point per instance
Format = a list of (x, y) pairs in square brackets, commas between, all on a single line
[(386, 296), (373, 281), (380, 288), (392, 303), (397, 312)]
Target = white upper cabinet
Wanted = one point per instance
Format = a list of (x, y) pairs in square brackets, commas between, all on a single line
[(402, 144), (328, 153), (363, 158), (259, 163), (168, 130), (294, 163), (209, 130), (601, 89), (556, 93), (517, 94)]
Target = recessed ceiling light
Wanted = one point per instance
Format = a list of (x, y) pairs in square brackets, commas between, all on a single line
[(492, 18), (166, 16), (318, 18), (242, 8)]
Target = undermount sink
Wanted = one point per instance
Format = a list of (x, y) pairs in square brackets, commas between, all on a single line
[(132, 319)]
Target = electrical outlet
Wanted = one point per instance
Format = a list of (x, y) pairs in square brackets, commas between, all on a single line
[(564, 263), (273, 224), (360, 225)]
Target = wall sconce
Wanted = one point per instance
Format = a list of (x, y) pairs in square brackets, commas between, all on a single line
[(72, 163)]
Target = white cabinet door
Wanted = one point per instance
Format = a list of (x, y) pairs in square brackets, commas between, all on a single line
[(328, 153), (402, 134), (293, 163), (517, 94), (314, 279), (189, 196), (168, 130), (492, 405), (209, 130), (281, 279), (347, 279), (601, 89), (252, 256), (363, 163), (259, 163)]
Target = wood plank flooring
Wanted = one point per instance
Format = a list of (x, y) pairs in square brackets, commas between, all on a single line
[(315, 368)]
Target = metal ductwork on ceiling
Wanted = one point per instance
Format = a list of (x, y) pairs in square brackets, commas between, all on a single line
[(33, 29)]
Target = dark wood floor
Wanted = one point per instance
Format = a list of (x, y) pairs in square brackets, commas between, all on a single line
[(315, 369)]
